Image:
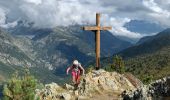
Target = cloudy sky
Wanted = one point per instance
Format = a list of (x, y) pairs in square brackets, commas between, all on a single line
[(126, 17)]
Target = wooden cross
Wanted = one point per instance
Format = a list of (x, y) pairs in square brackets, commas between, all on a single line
[(97, 29)]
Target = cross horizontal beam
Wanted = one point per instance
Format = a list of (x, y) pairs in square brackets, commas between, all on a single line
[(106, 28), (94, 28)]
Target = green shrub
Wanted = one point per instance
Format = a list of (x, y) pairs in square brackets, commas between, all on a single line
[(20, 87), (117, 65), (147, 79)]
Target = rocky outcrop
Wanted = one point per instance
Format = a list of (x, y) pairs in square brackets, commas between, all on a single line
[(156, 90), (94, 85), (102, 85), (159, 88), (102, 80)]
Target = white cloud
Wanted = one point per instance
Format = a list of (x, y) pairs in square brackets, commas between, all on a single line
[(2, 16), (9, 25), (3, 22), (34, 1), (120, 30), (158, 14), (51, 13), (54, 13)]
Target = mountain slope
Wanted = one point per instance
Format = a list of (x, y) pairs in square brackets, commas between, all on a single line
[(11, 57), (150, 66), (150, 59), (59, 46), (17, 53), (10, 53)]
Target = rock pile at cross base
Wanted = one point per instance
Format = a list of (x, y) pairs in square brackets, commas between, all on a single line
[(96, 85)]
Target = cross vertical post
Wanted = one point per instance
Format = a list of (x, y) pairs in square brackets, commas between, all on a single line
[(97, 41)]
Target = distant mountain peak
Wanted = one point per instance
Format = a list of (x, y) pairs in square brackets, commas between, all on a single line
[(163, 33), (149, 44)]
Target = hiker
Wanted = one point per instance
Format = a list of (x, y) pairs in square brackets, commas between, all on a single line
[(76, 71)]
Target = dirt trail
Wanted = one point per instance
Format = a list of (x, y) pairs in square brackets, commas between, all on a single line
[(107, 96)]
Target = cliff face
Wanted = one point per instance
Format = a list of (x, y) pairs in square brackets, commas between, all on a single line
[(96, 85)]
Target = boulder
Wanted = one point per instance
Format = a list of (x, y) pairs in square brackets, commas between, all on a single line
[(102, 80), (68, 87), (65, 96)]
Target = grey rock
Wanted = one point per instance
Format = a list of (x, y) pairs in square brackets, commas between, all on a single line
[(66, 96)]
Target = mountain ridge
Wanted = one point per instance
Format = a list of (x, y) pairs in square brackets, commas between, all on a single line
[(151, 44)]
